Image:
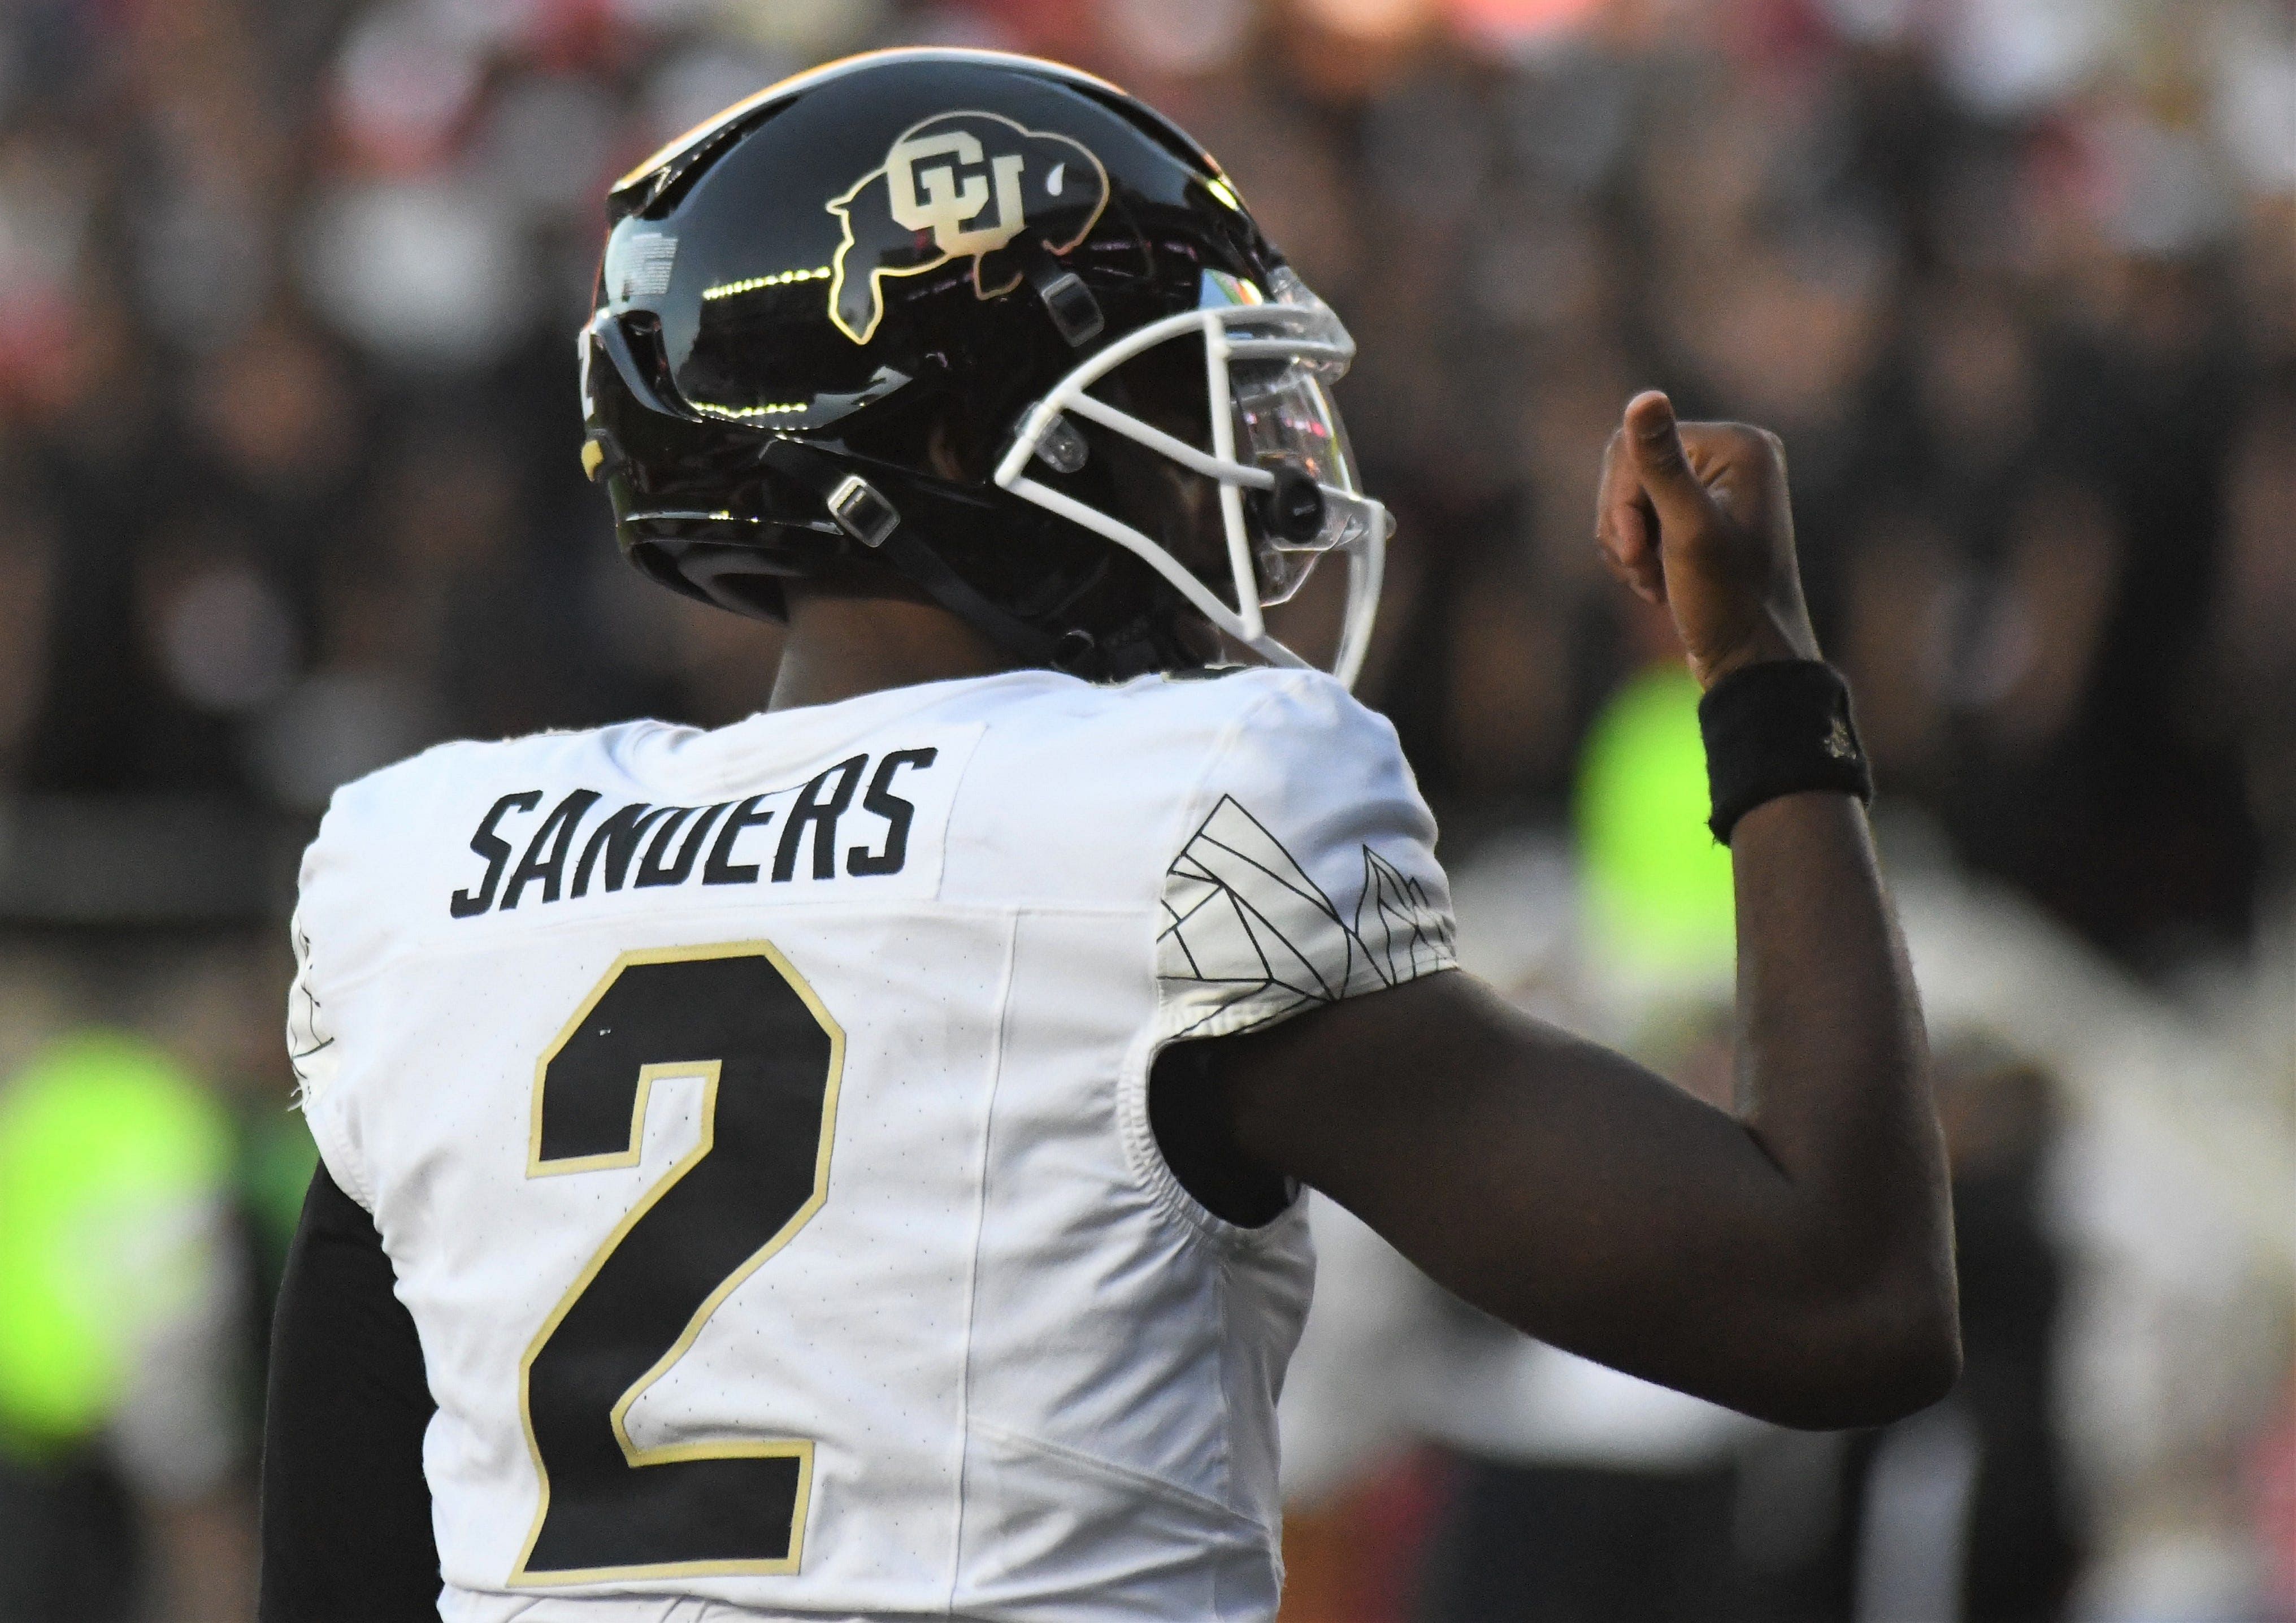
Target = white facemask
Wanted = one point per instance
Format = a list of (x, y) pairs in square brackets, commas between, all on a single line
[(1269, 364)]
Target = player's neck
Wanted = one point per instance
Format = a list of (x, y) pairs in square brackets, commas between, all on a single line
[(841, 645)]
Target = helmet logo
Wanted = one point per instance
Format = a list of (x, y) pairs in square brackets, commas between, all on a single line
[(959, 185)]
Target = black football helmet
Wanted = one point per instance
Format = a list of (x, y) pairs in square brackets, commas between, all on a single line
[(971, 317)]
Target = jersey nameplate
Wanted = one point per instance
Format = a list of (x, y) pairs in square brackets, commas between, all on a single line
[(874, 818)]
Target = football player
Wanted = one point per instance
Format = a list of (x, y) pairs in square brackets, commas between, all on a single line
[(845, 1164)]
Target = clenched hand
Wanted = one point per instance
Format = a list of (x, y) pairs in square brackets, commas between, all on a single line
[(1695, 516)]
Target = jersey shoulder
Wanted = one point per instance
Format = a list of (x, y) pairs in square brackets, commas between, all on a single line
[(1159, 739), (1082, 795), (386, 798), (1304, 871), (1276, 704), (379, 842), (1300, 732)]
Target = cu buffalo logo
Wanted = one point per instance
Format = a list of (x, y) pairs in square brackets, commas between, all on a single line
[(959, 185)]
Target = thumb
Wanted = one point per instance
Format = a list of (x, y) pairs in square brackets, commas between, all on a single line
[(1661, 465)]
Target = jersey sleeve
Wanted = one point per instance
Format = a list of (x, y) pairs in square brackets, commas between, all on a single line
[(352, 914), (311, 1051), (1307, 871), (335, 930)]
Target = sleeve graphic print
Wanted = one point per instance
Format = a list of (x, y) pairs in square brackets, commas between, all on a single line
[(308, 1042), (1248, 939)]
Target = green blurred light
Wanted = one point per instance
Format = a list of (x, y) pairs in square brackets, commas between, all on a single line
[(1658, 888), (276, 1161), (108, 1150)]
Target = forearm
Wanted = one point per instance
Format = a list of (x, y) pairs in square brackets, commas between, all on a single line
[(1832, 1079)]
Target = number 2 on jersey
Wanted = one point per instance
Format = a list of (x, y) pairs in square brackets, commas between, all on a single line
[(769, 1055)]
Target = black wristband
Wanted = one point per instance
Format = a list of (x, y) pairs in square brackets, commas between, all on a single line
[(1779, 728)]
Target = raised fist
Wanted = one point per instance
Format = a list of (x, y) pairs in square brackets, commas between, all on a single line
[(1695, 516)]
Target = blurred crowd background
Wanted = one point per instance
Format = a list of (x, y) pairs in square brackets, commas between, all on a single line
[(289, 489)]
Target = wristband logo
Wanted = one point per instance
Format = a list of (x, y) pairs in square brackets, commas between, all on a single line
[(959, 185)]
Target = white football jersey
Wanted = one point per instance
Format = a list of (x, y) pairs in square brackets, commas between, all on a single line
[(757, 1121)]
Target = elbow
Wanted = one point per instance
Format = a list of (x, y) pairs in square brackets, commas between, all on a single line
[(1913, 1362), (1892, 1354), (1930, 1348)]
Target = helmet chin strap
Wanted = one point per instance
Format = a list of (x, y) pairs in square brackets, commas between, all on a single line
[(858, 509), (868, 517)]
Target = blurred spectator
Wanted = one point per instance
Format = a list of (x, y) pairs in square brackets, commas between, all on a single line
[(120, 1340), (1582, 1493), (1965, 1513), (2013, 281)]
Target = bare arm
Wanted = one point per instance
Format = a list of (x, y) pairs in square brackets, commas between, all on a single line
[(1792, 1257)]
